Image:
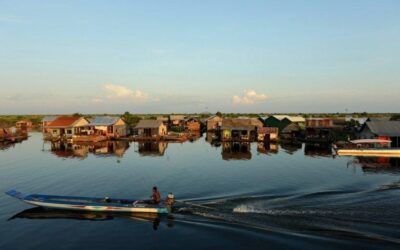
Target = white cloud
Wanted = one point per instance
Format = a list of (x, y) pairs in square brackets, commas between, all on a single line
[(249, 97), (122, 92)]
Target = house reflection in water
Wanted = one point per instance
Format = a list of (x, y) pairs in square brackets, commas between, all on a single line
[(291, 148), (109, 148), (315, 151), (373, 165), (68, 150), (152, 148), (236, 151), (267, 148), (105, 148), (213, 139)]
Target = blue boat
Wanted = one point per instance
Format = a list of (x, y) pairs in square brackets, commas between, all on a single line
[(90, 203)]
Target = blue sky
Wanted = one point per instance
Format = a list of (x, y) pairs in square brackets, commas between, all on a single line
[(199, 56)]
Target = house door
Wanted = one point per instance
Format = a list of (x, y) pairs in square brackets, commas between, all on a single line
[(267, 138), (395, 142)]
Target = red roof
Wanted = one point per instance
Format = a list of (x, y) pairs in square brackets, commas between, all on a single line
[(64, 121)]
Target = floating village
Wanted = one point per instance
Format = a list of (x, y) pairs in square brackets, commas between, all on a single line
[(77, 135)]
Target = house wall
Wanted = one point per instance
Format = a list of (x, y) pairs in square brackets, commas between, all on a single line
[(257, 122), (319, 123), (226, 134), (2, 133), (214, 123), (103, 129), (275, 123), (81, 122), (54, 132), (23, 124), (44, 125), (69, 132), (120, 130), (162, 130), (272, 136), (193, 126)]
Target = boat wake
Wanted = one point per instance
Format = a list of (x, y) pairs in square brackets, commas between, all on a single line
[(356, 214)]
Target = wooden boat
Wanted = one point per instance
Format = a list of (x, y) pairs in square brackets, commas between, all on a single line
[(369, 147), (46, 213), (90, 203)]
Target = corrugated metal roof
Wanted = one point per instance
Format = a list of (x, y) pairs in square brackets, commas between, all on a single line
[(265, 130), (149, 124), (241, 124), (64, 121), (384, 128), (376, 119), (49, 118), (104, 121), (212, 117), (176, 117), (290, 118), (162, 118)]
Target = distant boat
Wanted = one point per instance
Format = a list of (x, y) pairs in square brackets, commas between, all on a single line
[(89, 203), (368, 147)]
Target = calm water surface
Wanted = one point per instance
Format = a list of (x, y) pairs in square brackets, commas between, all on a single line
[(259, 197)]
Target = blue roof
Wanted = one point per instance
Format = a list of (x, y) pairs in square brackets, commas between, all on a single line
[(104, 121)]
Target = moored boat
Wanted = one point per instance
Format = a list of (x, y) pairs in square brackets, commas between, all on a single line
[(90, 203), (369, 147)]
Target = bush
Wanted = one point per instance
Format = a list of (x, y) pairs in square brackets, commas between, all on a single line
[(395, 117), (177, 129)]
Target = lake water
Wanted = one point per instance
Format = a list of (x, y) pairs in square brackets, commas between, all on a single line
[(258, 197)]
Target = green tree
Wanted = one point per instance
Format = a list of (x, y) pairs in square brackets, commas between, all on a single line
[(395, 117), (130, 119)]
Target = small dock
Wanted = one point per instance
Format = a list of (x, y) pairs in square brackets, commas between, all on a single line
[(89, 138)]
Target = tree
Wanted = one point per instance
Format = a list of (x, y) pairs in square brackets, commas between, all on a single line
[(395, 117), (218, 114), (130, 119)]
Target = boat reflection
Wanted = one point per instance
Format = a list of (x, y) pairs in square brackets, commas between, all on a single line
[(267, 148), (5, 146), (236, 151), (372, 165), (81, 150), (318, 151), (43, 213), (151, 148)]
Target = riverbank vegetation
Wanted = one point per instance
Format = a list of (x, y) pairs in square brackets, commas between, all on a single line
[(133, 119)]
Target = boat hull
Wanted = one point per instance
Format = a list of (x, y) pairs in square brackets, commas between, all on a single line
[(369, 152), (89, 203)]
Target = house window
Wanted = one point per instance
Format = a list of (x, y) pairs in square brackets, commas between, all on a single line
[(69, 131), (54, 131)]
